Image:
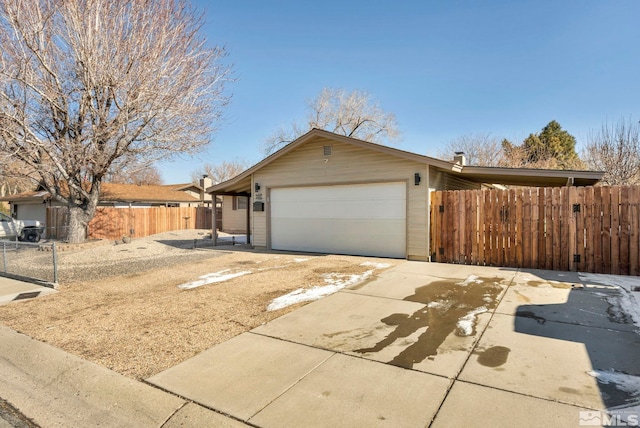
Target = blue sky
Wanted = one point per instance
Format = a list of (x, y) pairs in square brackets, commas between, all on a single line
[(444, 68)]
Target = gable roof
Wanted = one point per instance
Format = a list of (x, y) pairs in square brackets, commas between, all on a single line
[(493, 175), (116, 192)]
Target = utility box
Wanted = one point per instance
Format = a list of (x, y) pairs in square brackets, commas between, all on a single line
[(258, 206)]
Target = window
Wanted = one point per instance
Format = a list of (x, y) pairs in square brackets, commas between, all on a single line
[(240, 203)]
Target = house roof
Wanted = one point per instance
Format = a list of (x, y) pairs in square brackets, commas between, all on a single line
[(184, 186), (115, 192), (241, 184)]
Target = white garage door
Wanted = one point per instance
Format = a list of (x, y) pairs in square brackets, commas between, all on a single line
[(367, 219)]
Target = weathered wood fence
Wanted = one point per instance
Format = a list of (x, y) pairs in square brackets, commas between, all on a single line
[(114, 223), (587, 229)]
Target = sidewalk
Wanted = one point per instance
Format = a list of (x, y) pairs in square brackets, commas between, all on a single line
[(54, 388), (12, 289)]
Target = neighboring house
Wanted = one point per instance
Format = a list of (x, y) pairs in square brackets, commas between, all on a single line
[(328, 193), (33, 205), (197, 190)]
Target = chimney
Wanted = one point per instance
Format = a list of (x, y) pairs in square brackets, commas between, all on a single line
[(460, 159), (205, 183)]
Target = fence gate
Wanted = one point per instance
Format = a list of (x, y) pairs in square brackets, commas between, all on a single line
[(587, 229)]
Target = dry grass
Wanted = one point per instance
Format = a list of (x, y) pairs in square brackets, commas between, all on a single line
[(141, 323)]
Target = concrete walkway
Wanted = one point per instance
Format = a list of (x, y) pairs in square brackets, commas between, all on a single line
[(12, 290), (424, 344)]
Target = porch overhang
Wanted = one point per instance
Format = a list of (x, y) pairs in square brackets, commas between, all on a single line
[(530, 177)]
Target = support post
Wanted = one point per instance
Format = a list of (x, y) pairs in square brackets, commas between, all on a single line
[(214, 216), (4, 255), (55, 263), (249, 206)]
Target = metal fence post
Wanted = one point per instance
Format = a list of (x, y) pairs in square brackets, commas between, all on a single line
[(4, 255), (55, 264)]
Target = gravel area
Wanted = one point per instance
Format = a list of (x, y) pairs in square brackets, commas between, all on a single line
[(102, 259), (121, 306)]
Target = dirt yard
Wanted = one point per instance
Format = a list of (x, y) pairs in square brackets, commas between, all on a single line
[(139, 322)]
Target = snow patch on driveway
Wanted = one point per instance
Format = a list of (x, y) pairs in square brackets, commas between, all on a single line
[(466, 325), (629, 384), (210, 278), (628, 300), (335, 282)]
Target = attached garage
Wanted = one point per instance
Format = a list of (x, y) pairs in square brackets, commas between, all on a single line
[(329, 193), (361, 219)]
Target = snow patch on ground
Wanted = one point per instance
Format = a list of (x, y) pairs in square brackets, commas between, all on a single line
[(375, 265), (467, 323), (471, 279), (335, 282), (210, 278), (628, 301), (299, 260)]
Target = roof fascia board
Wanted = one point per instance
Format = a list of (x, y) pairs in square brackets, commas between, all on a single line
[(559, 173)]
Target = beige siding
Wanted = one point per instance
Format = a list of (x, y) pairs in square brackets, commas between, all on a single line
[(233, 221), (307, 165)]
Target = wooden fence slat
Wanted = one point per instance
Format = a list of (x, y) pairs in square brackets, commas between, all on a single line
[(458, 227), (589, 226), (535, 231), (542, 234), (526, 236), (564, 214), (615, 230), (436, 198), (486, 227), (447, 237), (509, 210), (500, 227), (517, 231), (580, 231), (624, 230), (606, 229), (572, 221), (597, 230), (634, 226)]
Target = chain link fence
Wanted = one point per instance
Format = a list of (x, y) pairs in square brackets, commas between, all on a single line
[(30, 260)]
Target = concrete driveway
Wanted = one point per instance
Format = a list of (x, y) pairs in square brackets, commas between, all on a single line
[(429, 344)]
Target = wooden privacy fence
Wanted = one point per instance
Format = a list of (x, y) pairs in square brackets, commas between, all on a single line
[(114, 223), (587, 229)]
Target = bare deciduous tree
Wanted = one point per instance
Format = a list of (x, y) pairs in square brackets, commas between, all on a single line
[(220, 172), (143, 175), (479, 149), (88, 87), (12, 180), (353, 114), (615, 149)]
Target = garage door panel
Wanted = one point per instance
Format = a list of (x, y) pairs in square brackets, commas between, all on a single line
[(344, 236), (359, 219), (340, 209)]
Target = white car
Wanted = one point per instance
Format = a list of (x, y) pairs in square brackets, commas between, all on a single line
[(24, 230)]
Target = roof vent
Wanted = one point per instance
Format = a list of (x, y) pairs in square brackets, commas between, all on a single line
[(327, 150)]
